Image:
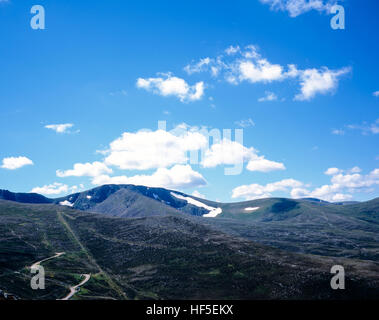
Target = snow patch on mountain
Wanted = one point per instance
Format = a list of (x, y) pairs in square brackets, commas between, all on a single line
[(250, 209), (213, 212), (66, 203)]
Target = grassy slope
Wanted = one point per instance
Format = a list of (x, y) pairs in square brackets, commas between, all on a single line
[(158, 258), (307, 227)]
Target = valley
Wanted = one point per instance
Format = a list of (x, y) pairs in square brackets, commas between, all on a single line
[(134, 242)]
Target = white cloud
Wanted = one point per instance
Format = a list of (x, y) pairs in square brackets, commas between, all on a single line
[(338, 132), (228, 152), (298, 7), (329, 193), (260, 71), (175, 149), (60, 128), (366, 128), (177, 177), (172, 86), (257, 191), (245, 123), (355, 170), (314, 81), (13, 163), (85, 169), (232, 50), (198, 67), (332, 171), (270, 96), (376, 94), (344, 183), (145, 150), (353, 180), (247, 64), (263, 165), (297, 193), (51, 189), (251, 52)]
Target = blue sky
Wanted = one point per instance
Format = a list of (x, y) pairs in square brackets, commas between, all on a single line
[(303, 93)]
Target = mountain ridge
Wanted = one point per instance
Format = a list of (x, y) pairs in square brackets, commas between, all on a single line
[(96, 200), (301, 225)]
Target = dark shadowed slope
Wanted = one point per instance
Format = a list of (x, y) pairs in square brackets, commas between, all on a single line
[(23, 197)]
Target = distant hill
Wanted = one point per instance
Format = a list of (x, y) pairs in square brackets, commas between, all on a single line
[(302, 225), (24, 197), (137, 201)]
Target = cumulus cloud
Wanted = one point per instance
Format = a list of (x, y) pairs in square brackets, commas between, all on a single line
[(60, 128), (179, 176), (197, 67), (263, 165), (376, 94), (298, 7), (344, 183), (13, 163), (257, 191), (260, 71), (85, 169), (314, 81), (145, 150), (270, 96), (51, 189), (168, 85), (332, 171), (232, 50), (170, 153), (355, 170), (228, 152), (247, 64)]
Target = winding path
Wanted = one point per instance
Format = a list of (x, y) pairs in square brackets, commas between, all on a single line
[(74, 289), (34, 265)]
